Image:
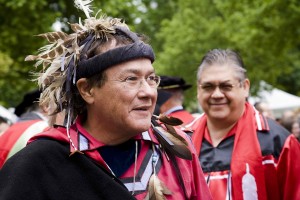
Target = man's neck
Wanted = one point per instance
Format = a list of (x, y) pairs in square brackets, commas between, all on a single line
[(218, 131)]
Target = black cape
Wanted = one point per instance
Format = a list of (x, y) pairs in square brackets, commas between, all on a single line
[(44, 170)]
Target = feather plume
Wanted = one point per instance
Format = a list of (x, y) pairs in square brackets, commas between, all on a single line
[(84, 5), (60, 57), (169, 120), (53, 37), (171, 141), (249, 186), (156, 189)]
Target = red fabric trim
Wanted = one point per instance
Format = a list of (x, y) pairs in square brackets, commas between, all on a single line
[(246, 150), (11, 136)]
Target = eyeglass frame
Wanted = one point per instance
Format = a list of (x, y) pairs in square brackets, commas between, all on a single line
[(136, 84), (221, 88)]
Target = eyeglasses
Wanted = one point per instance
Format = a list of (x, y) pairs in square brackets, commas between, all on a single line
[(223, 87), (135, 82)]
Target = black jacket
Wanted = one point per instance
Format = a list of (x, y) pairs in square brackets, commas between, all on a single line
[(56, 176)]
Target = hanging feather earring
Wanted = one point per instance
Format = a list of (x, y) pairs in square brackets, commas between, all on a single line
[(171, 141), (156, 188), (169, 120)]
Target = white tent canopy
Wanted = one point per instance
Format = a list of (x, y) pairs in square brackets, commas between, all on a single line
[(278, 100), (8, 114)]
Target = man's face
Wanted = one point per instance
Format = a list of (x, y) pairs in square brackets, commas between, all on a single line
[(126, 101), (225, 102)]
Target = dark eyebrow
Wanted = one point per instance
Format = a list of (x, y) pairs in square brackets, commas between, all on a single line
[(136, 71), (208, 82)]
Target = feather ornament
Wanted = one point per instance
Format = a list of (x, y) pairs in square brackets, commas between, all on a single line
[(249, 186), (59, 58), (156, 189), (171, 141), (85, 6), (77, 27), (53, 37), (169, 120)]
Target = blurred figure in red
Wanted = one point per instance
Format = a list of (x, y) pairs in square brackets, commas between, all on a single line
[(175, 86), (32, 120)]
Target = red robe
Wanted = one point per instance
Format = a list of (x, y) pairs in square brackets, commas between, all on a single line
[(16, 137), (268, 177), (192, 174)]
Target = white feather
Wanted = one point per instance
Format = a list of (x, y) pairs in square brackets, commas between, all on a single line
[(85, 6), (249, 185)]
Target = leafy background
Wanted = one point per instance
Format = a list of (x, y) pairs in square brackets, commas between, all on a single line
[(266, 34)]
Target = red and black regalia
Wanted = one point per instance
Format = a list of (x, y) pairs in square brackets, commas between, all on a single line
[(258, 159)]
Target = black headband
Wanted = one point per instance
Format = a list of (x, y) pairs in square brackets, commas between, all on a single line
[(99, 63), (95, 65)]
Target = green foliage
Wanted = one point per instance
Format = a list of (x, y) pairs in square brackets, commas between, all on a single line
[(20, 21), (266, 33), (263, 32)]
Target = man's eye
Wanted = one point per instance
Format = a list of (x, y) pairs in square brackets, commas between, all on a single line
[(130, 79), (226, 87), (207, 87), (152, 78)]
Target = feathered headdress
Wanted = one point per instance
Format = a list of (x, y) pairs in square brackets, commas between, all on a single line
[(64, 59)]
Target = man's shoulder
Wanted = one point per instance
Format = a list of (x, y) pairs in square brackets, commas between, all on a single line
[(36, 157), (273, 139), (44, 147), (276, 129)]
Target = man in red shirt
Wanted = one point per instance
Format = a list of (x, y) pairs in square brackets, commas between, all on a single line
[(243, 154)]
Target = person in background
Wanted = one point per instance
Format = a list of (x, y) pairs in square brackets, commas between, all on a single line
[(264, 109), (162, 97), (111, 147), (243, 154), (29, 108), (296, 128), (287, 119), (32, 120), (290, 120), (174, 105)]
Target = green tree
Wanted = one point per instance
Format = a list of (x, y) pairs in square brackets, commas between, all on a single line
[(181, 31), (264, 32), (20, 21)]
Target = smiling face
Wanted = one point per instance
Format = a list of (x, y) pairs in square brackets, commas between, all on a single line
[(120, 107), (227, 103)]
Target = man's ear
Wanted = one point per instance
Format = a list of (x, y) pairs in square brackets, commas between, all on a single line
[(85, 90), (246, 86)]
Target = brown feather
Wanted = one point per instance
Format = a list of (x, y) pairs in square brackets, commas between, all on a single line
[(156, 189), (172, 130), (52, 37), (76, 27), (173, 144), (169, 120)]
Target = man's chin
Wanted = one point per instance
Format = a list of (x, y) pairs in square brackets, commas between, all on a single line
[(144, 126)]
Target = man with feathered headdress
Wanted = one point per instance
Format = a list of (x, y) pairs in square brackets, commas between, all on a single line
[(111, 147)]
